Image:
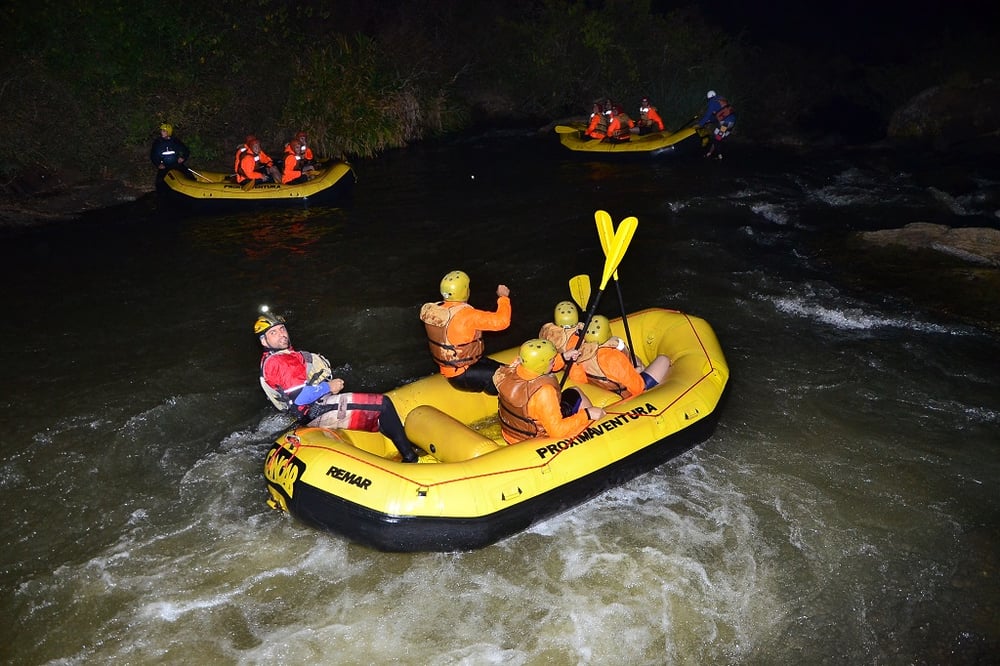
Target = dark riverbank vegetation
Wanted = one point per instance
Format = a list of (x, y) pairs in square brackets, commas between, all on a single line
[(83, 85)]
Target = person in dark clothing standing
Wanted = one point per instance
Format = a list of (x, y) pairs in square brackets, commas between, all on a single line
[(168, 152)]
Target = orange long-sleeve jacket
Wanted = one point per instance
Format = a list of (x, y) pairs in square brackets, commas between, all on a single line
[(614, 364), (246, 164), (468, 323), (653, 116), (619, 127), (544, 407)]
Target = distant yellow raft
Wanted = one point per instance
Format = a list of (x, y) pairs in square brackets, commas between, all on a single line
[(331, 183), (654, 144), (470, 489)]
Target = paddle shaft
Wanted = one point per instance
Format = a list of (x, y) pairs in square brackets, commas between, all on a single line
[(198, 175), (628, 333), (687, 124), (579, 340)]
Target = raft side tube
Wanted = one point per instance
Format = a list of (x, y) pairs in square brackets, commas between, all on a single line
[(444, 437)]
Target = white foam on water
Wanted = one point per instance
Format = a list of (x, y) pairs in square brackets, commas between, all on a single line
[(950, 202), (852, 317), (771, 212)]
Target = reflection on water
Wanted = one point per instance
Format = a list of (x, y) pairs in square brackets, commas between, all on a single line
[(267, 235), (843, 511)]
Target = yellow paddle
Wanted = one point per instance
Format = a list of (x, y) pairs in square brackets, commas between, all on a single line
[(613, 257), (566, 129), (606, 231), (579, 288), (198, 175)]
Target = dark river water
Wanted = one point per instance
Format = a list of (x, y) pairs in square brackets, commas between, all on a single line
[(845, 510)]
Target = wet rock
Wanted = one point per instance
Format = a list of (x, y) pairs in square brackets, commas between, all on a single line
[(950, 117), (954, 272), (976, 245)]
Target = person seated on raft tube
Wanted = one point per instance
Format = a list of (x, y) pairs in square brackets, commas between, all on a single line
[(455, 334), (168, 152), (599, 119), (719, 114), (605, 361), (298, 160), (254, 164), (302, 384), (620, 127), (531, 403), (563, 331), (649, 118)]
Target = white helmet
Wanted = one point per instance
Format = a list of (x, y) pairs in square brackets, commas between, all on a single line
[(711, 94)]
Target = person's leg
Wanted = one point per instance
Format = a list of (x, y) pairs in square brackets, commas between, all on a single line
[(658, 368), (572, 401), (478, 377), (392, 427), (372, 412)]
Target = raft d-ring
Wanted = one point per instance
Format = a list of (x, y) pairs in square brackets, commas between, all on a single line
[(422, 491), (292, 441)]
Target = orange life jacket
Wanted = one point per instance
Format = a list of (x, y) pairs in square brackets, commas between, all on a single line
[(595, 373), (598, 127), (242, 167), (436, 318), (724, 111), (514, 394), (562, 338), (294, 161), (619, 127), (650, 118)]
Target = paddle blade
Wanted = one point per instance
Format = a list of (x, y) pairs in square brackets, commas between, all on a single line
[(605, 231), (619, 245), (579, 288), (566, 129), (248, 185)]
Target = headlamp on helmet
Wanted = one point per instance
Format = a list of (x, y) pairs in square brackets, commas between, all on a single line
[(266, 321)]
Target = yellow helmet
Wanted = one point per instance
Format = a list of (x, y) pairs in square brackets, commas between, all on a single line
[(537, 354), (266, 321), (455, 286), (168, 128), (566, 314), (599, 330)]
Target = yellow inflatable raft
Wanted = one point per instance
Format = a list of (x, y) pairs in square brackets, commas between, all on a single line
[(655, 144), (470, 489), (331, 183)]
